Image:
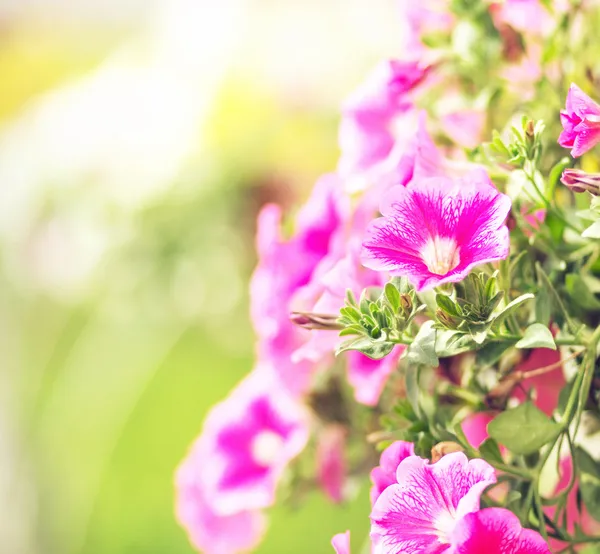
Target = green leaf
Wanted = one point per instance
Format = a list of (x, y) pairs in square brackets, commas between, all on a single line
[(524, 429), (537, 336), (555, 174), (489, 354), (393, 296), (556, 226), (370, 348), (593, 231), (445, 303), (449, 343), (581, 293), (589, 482), (412, 386), (422, 349), (490, 450), (510, 308)]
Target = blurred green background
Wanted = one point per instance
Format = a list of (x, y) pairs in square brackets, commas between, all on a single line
[(138, 140)]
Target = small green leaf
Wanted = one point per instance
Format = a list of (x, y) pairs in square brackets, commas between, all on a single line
[(445, 303), (374, 349), (554, 177), (593, 231), (393, 296), (524, 429), (422, 349), (490, 450), (511, 308), (581, 293), (412, 386), (537, 336), (589, 480)]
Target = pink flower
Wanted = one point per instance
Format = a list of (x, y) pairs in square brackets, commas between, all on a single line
[(209, 532), (247, 442), (418, 19), (421, 511), (367, 130), (581, 122), (331, 461), (284, 268), (341, 543), (474, 427), (526, 16), (384, 474), (436, 231), (495, 531), (464, 127)]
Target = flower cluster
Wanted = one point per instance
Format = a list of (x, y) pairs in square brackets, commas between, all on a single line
[(436, 298)]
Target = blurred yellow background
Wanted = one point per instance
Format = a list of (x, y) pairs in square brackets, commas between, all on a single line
[(138, 139)]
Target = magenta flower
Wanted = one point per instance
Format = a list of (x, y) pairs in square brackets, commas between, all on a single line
[(367, 130), (495, 531), (437, 230), (274, 284), (581, 122), (207, 531), (384, 474), (248, 440), (331, 461), (420, 512), (341, 543)]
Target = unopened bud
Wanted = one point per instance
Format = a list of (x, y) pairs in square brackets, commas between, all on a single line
[(580, 181), (315, 321), (447, 320), (443, 448), (406, 303)]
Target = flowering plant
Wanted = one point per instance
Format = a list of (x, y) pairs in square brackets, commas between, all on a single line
[(436, 301)]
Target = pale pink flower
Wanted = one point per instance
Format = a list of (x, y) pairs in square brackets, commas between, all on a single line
[(284, 268), (331, 461), (209, 532), (384, 474), (248, 440), (437, 230), (495, 531), (418, 19), (465, 127), (341, 543), (581, 122), (420, 512), (526, 16), (368, 129)]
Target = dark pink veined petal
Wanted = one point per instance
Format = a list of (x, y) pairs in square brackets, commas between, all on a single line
[(420, 512), (495, 531), (384, 474)]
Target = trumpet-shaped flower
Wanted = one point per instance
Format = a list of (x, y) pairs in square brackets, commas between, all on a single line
[(248, 440), (437, 230), (581, 122), (495, 531), (384, 474), (368, 130), (284, 268), (420, 512), (210, 532)]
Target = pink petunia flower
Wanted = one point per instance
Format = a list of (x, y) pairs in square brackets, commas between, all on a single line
[(341, 543), (369, 129), (495, 531), (209, 532), (331, 461), (421, 511), (437, 230), (525, 16), (274, 283), (247, 441), (384, 474), (581, 122)]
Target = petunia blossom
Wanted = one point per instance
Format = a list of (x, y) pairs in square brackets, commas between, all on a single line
[(420, 512), (368, 130), (341, 543), (384, 474), (284, 268), (581, 122), (209, 532), (248, 440), (437, 230), (495, 531), (331, 461)]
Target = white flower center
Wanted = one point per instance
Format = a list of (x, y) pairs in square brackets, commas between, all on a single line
[(441, 255), (445, 524), (266, 447)]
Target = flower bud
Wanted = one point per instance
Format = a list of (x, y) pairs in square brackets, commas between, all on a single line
[(580, 181), (406, 303), (315, 321), (443, 448)]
